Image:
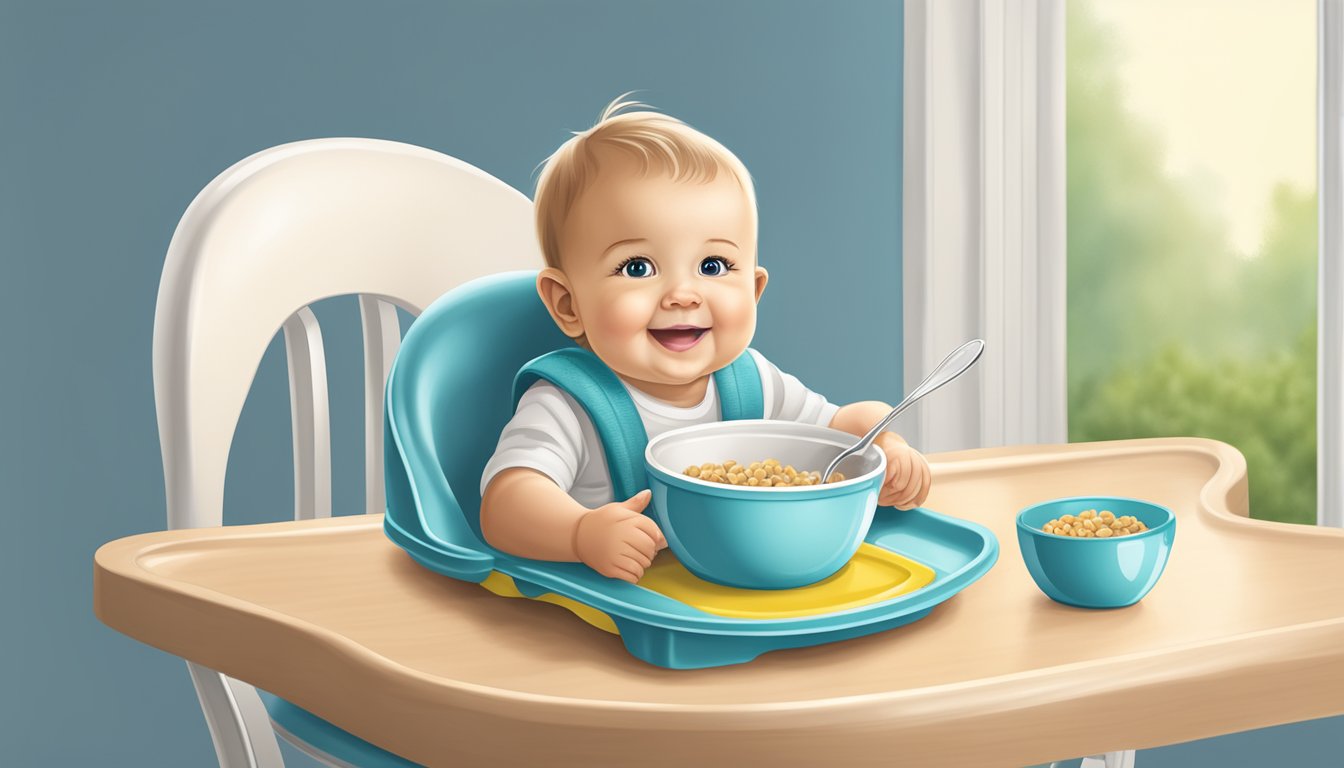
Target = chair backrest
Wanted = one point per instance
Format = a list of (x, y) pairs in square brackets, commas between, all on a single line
[(395, 224), (449, 395)]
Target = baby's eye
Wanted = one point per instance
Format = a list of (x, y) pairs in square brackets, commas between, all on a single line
[(636, 266), (715, 266)]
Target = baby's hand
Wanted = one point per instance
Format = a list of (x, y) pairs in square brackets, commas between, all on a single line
[(618, 540), (908, 478)]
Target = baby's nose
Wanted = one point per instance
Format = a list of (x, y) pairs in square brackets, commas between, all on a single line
[(681, 297)]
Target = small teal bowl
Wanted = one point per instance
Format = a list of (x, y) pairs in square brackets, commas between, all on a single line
[(1096, 573), (762, 538)]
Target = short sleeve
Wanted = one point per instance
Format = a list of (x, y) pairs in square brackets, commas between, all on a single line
[(787, 399), (544, 434)]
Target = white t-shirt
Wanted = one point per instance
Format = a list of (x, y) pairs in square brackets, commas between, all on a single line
[(551, 433)]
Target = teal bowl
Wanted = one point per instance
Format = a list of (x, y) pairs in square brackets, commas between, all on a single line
[(762, 538), (1096, 573)]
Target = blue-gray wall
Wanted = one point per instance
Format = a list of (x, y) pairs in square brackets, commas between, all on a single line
[(112, 117)]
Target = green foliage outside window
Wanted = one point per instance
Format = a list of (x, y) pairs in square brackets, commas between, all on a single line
[(1170, 331)]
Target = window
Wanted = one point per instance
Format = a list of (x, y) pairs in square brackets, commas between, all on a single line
[(1192, 231), (1176, 141)]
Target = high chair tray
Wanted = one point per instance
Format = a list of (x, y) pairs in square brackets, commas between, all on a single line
[(910, 562)]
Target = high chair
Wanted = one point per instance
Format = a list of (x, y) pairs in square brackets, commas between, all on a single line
[(398, 226)]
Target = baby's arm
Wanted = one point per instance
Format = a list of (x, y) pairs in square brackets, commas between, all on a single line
[(525, 513), (858, 418)]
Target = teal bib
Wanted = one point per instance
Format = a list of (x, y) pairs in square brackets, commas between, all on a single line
[(604, 398)]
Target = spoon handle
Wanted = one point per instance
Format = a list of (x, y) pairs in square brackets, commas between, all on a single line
[(952, 366)]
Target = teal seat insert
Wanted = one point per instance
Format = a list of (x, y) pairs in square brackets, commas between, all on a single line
[(448, 397)]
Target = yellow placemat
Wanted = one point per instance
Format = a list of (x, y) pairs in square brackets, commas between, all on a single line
[(872, 575)]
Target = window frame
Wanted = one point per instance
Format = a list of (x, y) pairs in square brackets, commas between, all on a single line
[(1330, 267), (983, 241)]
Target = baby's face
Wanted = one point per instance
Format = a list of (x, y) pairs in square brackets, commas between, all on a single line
[(662, 274)]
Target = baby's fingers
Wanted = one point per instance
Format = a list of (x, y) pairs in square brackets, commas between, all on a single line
[(637, 553), (629, 566), (650, 528), (926, 485), (638, 537), (614, 571), (919, 487), (900, 471)]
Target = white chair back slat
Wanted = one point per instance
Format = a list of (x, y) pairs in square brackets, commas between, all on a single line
[(267, 238), (309, 415), (382, 339), (284, 229)]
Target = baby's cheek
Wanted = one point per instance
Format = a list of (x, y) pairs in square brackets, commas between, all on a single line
[(624, 315), (735, 320)]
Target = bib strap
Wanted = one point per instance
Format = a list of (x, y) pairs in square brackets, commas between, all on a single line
[(604, 398), (739, 387), (589, 381)]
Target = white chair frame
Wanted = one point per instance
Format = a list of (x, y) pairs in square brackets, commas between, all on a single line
[(395, 224)]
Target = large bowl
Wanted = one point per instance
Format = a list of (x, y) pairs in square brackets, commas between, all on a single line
[(1096, 573), (762, 538)]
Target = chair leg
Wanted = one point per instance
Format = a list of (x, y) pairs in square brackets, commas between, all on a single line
[(1123, 759), (238, 722)]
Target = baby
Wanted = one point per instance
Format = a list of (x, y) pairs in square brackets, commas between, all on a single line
[(648, 228)]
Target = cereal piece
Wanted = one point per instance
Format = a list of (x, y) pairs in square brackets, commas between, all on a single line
[(1049, 528), (1107, 515), (1067, 519), (835, 477), (1087, 514), (1089, 524), (769, 473), (1105, 533)]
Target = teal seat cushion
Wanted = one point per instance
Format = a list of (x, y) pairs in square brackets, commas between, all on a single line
[(315, 734), (449, 395)]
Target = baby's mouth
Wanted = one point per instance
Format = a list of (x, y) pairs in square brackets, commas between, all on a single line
[(678, 338)]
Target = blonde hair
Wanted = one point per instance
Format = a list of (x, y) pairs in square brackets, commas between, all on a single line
[(660, 142)]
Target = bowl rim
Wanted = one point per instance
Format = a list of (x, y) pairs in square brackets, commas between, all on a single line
[(841, 436), (1170, 522)]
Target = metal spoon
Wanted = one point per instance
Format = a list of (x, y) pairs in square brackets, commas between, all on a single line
[(952, 366)]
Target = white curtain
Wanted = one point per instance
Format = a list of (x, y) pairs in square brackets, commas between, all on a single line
[(983, 242)]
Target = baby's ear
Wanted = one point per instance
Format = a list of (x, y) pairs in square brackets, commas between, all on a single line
[(762, 277), (553, 287)]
